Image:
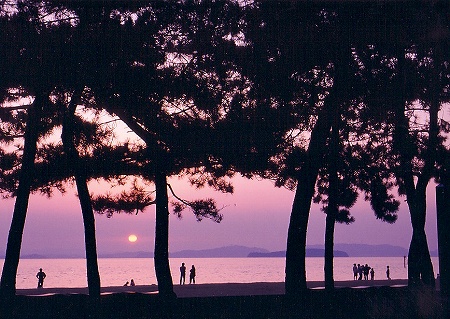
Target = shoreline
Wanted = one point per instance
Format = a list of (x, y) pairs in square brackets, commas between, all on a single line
[(214, 289)]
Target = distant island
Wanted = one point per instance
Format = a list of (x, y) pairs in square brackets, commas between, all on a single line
[(310, 252), (236, 251)]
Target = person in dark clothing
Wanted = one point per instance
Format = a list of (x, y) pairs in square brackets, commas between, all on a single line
[(182, 274), (192, 275), (40, 276), (366, 270), (355, 272)]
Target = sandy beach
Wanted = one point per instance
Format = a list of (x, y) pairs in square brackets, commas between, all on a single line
[(352, 299), (215, 290)]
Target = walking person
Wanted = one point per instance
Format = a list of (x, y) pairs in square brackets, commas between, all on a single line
[(388, 273), (40, 276), (182, 274), (192, 275)]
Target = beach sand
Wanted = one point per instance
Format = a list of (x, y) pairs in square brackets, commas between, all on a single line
[(381, 299), (215, 289)]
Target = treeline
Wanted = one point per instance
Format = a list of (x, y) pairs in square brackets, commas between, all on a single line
[(331, 99)]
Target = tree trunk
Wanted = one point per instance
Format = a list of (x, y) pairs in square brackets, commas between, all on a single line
[(90, 242), (329, 247), (420, 268), (87, 211), (9, 273), (333, 207), (162, 268), (161, 251), (295, 282)]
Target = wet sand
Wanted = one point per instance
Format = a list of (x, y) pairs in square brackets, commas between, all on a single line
[(215, 290)]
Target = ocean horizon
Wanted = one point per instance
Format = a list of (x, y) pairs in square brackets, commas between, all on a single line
[(71, 272)]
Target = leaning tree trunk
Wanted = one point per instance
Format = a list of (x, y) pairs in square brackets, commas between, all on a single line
[(295, 281), (161, 257), (9, 273), (93, 276), (87, 211)]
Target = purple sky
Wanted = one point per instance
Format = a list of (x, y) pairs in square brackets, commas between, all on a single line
[(256, 215)]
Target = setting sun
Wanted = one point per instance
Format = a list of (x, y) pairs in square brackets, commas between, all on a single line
[(132, 238)]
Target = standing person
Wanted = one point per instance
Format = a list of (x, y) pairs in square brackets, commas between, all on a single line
[(40, 276), (355, 272), (366, 270), (372, 274), (388, 273), (192, 275), (360, 272), (182, 274)]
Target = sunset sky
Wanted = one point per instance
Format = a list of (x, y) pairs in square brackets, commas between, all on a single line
[(256, 215)]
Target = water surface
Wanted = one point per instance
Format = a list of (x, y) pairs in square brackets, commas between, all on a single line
[(116, 271)]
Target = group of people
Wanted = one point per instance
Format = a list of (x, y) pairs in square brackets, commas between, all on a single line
[(361, 272), (131, 283), (183, 274)]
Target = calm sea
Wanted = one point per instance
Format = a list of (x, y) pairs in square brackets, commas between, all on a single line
[(116, 271)]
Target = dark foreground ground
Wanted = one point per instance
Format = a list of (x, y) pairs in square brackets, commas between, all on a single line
[(372, 302)]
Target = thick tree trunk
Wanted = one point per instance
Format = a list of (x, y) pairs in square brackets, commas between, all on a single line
[(420, 268), (295, 282), (9, 273), (162, 268)]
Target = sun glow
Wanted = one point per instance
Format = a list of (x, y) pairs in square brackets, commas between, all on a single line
[(132, 238)]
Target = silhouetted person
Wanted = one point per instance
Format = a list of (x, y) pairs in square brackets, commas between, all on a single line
[(388, 273), (372, 274), (126, 284), (40, 276), (192, 275), (182, 274), (366, 270), (355, 272), (360, 272), (132, 283)]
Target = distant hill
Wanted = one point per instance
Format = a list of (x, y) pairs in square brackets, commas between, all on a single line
[(129, 254), (227, 251), (365, 250), (33, 256), (341, 250), (310, 252)]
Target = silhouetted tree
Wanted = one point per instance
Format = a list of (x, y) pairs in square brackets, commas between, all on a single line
[(36, 85), (410, 82)]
